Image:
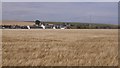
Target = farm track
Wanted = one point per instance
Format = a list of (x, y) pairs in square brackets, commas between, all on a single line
[(85, 47)]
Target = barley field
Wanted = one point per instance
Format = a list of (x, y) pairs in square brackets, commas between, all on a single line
[(69, 47)]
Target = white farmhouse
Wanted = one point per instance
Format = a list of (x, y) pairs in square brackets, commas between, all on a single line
[(54, 27), (62, 28), (28, 27), (43, 26)]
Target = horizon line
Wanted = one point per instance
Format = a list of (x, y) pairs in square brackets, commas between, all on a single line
[(60, 21)]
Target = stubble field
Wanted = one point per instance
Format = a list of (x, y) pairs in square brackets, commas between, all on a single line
[(84, 47)]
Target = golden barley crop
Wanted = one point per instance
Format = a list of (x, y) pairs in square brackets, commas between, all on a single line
[(69, 47)]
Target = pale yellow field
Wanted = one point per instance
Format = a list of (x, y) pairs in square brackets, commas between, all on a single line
[(16, 23), (92, 47)]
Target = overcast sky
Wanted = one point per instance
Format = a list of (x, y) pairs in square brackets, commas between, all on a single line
[(91, 12)]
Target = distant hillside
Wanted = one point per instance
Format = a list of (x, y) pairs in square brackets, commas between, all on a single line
[(78, 25)]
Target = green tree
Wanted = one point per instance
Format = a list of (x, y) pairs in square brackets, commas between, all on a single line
[(37, 22)]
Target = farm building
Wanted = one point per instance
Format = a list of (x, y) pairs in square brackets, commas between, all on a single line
[(36, 25)]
